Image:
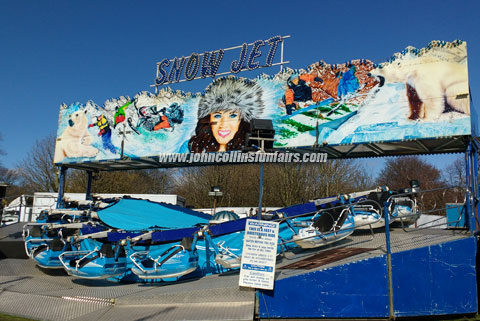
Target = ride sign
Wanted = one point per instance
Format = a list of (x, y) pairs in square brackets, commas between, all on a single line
[(207, 64), (257, 269)]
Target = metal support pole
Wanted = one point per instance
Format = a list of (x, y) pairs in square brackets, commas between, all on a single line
[(88, 194), (260, 196), (20, 208), (281, 56), (469, 191), (475, 187), (61, 187), (20, 212), (386, 216)]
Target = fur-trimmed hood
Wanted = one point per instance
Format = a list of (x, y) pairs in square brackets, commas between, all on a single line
[(232, 93)]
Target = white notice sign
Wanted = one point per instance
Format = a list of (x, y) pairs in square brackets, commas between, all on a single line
[(259, 254)]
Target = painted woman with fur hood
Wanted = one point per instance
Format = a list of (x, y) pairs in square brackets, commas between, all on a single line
[(224, 114)]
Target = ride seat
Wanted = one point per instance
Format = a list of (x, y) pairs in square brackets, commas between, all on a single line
[(70, 232), (36, 231), (107, 250), (187, 243), (56, 245), (325, 222), (341, 220), (380, 198), (40, 249)]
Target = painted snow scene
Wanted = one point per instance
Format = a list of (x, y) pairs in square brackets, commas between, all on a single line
[(143, 126), (417, 93)]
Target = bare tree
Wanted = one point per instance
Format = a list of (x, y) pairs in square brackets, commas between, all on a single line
[(36, 172), (455, 174), (288, 184), (284, 184), (398, 173), (8, 176), (239, 184), (149, 181)]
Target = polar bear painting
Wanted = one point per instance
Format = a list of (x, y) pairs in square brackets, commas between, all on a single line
[(434, 85), (75, 140)]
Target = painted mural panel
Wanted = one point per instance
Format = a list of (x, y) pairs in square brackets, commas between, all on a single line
[(418, 93)]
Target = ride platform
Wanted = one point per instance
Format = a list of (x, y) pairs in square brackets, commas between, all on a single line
[(11, 242), (433, 273)]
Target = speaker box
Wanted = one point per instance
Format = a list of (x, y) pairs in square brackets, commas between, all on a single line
[(261, 128)]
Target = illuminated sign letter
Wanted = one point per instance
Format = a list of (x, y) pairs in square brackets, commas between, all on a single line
[(176, 70), (211, 62), (273, 42), (255, 54), (237, 65), (162, 74), (192, 66)]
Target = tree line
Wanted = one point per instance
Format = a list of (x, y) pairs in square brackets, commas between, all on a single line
[(284, 184)]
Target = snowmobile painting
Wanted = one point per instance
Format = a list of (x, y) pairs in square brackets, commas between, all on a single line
[(152, 119), (325, 97)]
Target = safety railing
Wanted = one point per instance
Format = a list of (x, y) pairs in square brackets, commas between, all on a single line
[(414, 206)]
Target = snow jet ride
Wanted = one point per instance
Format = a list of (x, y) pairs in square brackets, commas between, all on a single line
[(136, 240)]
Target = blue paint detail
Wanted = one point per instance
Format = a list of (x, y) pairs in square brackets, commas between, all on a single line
[(107, 142), (387, 226), (136, 215), (118, 236), (341, 291), (475, 187), (348, 83), (254, 267), (178, 234), (88, 229), (468, 178), (229, 227), (473, 119), (455, 215), (298, 209), (302, 110), (435, 280), (334, 124), (174, 235), (61, 187), (472, 193)]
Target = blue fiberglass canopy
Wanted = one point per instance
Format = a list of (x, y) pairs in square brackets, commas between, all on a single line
[(136, 215)]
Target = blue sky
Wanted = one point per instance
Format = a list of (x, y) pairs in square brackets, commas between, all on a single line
[(74, 51)]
